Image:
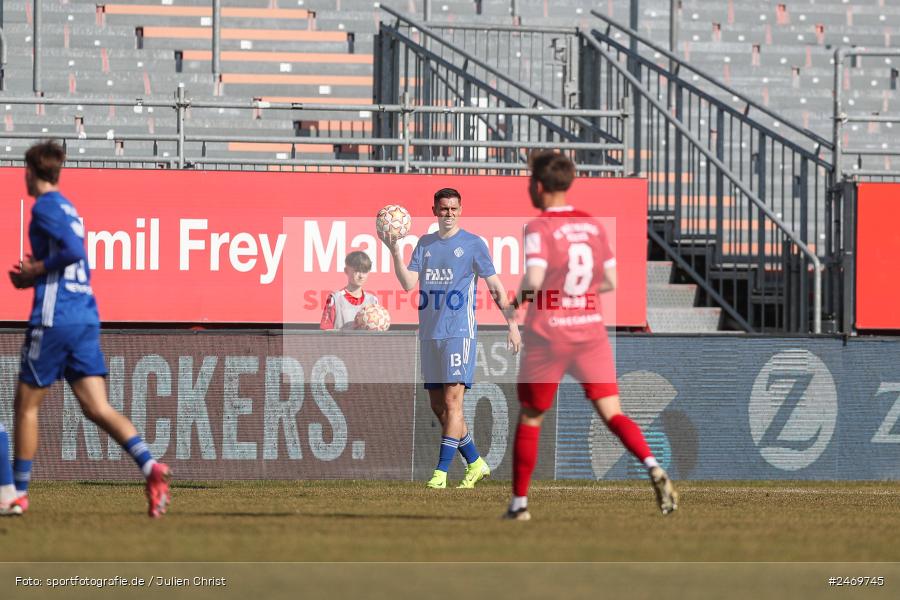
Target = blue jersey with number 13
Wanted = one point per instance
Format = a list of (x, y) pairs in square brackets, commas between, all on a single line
[(448, 273)]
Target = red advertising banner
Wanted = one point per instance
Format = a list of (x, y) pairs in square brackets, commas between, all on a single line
[(877, 249), (237, 247)]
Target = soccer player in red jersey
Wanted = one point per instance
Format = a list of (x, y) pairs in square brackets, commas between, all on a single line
[(568, 265)]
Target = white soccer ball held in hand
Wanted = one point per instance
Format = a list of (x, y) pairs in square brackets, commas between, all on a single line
[(392, 223)]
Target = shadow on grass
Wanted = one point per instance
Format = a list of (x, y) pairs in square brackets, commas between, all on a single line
[(374, 516), (383, 516), (233, 513), (110, 483), (182, 485)]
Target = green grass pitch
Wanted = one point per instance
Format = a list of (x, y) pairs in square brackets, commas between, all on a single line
[(403, 522)]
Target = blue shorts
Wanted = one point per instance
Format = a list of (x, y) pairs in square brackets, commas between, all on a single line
[(70, 351), (451, 360)]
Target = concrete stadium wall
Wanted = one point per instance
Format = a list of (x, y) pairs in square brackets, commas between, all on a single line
[(311, 405)]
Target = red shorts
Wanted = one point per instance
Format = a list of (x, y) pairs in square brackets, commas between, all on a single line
[(544, 364)]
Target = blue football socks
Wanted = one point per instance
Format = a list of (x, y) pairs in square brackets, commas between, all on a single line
[(22, 475), (448, 451), (467, 448), (140, 452), (7, 489)]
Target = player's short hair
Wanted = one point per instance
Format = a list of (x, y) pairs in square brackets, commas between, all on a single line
[(45, 159), (555, 171), (446, 193), (358, 261)]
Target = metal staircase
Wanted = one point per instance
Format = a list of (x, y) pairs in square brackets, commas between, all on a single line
[(671, 307), (740, 200)]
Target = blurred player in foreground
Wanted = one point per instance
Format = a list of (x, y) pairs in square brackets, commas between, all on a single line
[(568, 265), (7, 487), (343, 305), (63, 335), (446, 265)]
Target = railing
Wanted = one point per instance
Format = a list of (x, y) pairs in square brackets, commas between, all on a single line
[(786, 167), (856, 155), (716, 226), (409, 150), (416, 66), (543, 59), (746, 106), (740, 206), (789, 175), (3, 54)]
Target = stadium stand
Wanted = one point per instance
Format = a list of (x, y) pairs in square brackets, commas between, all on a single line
[(278, 51), (139, 49), (777, 53)]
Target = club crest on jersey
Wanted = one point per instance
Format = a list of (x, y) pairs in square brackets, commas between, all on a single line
[(439, 275), (69, 210), (458, 252)]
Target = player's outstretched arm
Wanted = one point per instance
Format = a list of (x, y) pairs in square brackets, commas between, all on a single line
[(609, 281), (498, 293), (408, 279)]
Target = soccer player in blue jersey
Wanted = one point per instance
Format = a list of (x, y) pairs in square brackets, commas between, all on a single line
[(63, 336), (446, 266)]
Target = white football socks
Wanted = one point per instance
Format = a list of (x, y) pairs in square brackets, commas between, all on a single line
[(7, 493), (518, 503), (147, 468)]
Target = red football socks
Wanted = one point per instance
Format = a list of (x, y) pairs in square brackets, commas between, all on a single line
[(630, 434), (525, 453)]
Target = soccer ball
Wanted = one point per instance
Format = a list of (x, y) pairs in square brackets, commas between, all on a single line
[(393, 221), (373, 317)]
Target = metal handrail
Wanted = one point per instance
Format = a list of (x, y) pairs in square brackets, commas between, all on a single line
[(45, 101), (422, 27), (257, 104), (179, 159), (469, 57), (484, 86), (91, 137), (501, 27), (840, 118), (710, 79), (540, 58), (687, 85), (3, 52), (393, 164), (735, 181)]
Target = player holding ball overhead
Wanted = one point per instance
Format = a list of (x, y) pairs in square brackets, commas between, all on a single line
[(446, 266)]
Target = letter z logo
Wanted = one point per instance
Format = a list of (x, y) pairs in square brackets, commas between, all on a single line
[(885, 433), (798, 384), (793, 409)]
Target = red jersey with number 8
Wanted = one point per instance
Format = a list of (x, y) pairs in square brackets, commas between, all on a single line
[(573, 247)]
